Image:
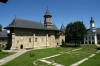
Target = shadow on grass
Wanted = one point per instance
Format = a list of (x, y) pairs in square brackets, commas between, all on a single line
[(98, 48), (74, 46), (70, 45)]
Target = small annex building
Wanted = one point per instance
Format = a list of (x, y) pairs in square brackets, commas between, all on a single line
[(3, 38), (25, 34)]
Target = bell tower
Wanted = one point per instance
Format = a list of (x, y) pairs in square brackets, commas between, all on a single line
[(92, 23), (93, 29), (47, 18), (92, 26)]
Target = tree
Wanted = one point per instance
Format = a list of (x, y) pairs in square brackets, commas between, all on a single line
[(0, 27), (75, 32), (3, 1), (69, 32)]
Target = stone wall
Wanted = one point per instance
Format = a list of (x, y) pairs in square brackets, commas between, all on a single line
[(25, 39)]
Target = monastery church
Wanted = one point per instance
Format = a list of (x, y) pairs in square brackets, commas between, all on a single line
[(26, 34), (93, 34)]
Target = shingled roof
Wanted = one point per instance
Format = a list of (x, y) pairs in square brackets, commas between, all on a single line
[(47, 13), (3, 34), (21, 23), (62, 29), (97, 30)]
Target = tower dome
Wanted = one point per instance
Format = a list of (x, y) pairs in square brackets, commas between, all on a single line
[(92, 23), (47, 18)]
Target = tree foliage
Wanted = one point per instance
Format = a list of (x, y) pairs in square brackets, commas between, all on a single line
[(3, 1), (75, 32), (0, 27)]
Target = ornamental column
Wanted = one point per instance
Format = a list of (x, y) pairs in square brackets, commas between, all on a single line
[(33, 40), (13, 41), (46, 40), (95, 38)]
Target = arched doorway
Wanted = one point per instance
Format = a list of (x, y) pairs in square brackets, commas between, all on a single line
[(21, 46), (92, 42), (89, 42)]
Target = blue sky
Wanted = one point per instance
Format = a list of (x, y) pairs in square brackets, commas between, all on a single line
[(65, 11)]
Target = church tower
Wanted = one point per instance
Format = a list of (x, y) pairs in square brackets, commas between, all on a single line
[(47, 19), (92, 23), (93, 29), (92, 26)]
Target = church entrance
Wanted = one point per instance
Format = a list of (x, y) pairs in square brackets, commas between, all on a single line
[(92, 42), (89, 42), (21, 46)]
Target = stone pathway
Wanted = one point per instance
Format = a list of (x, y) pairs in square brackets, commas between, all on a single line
[(97, 45), (51, 56), (52, 62), (83, 60), (9, 58)]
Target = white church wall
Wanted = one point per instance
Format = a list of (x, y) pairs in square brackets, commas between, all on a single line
[(90, 38)]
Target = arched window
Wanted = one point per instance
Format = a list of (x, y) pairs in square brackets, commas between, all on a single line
[(85, 42), (92, 37), (89, 37), (86, 38), (29, 39), (35, 39)]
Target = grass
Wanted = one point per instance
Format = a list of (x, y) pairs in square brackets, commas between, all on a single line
[(28, 58), (2, 48), (73, 57), (95, 61), (4, 54)]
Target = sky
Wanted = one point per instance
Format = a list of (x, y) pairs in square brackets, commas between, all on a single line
[(62, 11)]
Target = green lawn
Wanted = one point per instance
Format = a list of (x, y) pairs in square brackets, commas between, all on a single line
[(27, 60), (4, 54), (73, 57), (66, 59), (95, 61), (2, 48)]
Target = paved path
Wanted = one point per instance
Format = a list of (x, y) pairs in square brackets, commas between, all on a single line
[(51, 62), (9, 58), (97, 45)]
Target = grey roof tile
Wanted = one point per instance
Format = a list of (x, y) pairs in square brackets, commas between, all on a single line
[(3, 34), (52, 27), (62, 29), (21, 23), (47, 13), (97, 30)]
